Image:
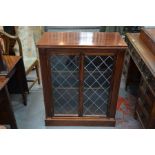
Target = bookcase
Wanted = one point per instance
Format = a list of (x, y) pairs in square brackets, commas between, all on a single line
[(81, 74)]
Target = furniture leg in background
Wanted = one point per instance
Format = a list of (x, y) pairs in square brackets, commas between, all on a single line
[(6, 111), (18, 82)]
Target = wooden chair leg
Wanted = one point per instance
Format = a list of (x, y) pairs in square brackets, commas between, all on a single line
[(24, 95), (37, 72)]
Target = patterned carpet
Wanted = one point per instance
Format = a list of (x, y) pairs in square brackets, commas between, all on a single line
[(32, 116), (125, 109), (125, 113)]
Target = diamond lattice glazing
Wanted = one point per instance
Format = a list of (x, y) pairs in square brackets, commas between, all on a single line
[(97, 77), (65, 84)]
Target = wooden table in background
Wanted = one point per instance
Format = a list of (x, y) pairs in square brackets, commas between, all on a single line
[(14, 82), (17, 78)]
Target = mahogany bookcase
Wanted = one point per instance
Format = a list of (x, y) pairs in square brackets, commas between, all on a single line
[(81, 74)]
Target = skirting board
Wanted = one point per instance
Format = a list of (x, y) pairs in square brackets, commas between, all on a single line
[(79, 121)]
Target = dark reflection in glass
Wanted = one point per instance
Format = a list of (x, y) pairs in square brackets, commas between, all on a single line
[(65, 71), (97, 77), (65, 83)]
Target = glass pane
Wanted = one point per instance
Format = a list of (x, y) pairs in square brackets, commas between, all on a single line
[(65, 71), (97, 76)]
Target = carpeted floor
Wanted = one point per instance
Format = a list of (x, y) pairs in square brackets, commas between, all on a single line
[(32, 116)]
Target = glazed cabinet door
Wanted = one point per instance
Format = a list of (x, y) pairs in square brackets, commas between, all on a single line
[(98, 70), (65, 84), (81, 84)]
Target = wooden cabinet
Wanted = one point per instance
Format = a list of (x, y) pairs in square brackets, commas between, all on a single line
[(145, 108), (144, 63), (81, 75)]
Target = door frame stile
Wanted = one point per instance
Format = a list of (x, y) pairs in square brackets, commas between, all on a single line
[(81, 84)]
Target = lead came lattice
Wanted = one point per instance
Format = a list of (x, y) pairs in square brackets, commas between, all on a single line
[(65, 71), (97, 77)]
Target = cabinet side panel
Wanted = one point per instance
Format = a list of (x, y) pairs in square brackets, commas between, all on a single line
[(46, 80), (116, 83)]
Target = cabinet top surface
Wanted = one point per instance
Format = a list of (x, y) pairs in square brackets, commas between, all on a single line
[(81, 39), (143, 50), (151, 33)]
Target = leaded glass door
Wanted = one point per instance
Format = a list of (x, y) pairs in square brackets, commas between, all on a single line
[(65, 84), (96, 83)]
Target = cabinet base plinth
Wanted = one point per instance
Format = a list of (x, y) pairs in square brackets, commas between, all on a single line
[(79, 121)]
